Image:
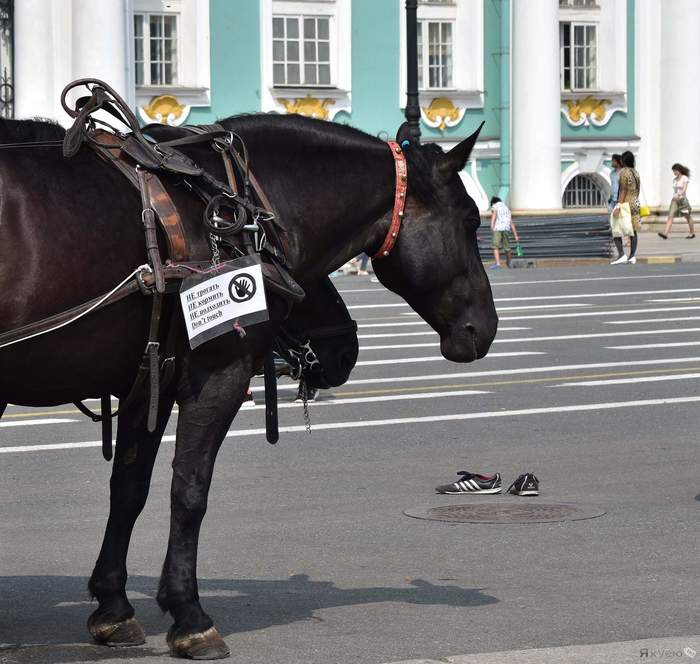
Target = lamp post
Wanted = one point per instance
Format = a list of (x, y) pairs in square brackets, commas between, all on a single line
[(412, 107)]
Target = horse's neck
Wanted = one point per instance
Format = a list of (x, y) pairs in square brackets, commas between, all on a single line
[(332, 203)]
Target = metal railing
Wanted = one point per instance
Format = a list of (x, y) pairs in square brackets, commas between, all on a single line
[(579, 236)]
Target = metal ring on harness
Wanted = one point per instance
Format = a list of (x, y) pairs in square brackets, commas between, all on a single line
[(217, 224)]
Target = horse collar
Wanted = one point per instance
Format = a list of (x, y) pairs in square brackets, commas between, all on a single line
[(399, 201)]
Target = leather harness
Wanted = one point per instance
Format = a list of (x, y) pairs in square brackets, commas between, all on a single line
[(139, 161)]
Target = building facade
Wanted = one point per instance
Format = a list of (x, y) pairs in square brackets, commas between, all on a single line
[(560, 84)]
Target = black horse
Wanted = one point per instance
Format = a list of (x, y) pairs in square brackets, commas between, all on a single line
[(70, 230)]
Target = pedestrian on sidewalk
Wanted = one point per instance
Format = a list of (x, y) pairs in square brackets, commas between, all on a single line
[(501, 225), (629, 193), (363, 260), (679, 202), (616, 166)]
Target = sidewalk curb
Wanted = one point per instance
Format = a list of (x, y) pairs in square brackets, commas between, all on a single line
[(524, 263)]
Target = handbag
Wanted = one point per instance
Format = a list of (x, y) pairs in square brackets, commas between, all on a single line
[(622, 224), (644, 210)]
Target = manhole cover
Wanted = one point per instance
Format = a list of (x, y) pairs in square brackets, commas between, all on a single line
[(506, 513)]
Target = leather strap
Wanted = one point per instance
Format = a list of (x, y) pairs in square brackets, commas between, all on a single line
[(399, 201), (109, 148)]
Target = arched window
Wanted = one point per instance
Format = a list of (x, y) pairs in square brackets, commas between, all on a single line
[(585, 191)]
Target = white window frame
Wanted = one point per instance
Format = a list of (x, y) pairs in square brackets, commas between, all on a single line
[(467, 51), (193, 51), (424, 55), (339, 13), (571, 27), (147, 62), (301, 39)]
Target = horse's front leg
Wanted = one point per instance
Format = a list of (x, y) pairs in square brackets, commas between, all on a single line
[(113, 622), (208, 399)]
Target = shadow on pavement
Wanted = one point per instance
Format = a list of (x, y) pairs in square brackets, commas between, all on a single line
[(49, 613)]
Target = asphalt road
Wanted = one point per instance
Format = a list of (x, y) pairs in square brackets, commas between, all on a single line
[(306, 555)]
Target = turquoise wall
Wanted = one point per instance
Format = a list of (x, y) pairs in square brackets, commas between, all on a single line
[(235, 60), (620, 125), (375, 68)]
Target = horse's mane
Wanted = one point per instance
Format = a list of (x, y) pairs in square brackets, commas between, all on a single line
[(310, 132), (30, 131)]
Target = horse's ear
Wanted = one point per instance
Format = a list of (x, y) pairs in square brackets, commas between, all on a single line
[(404, 133), (456, 159)]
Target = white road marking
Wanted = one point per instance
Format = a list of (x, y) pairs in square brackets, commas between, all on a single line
[(390, 397), (612, 277), (364, 290), (37, 422), (505, 372), (416, 322), (676, 299), (562, 337), (396, 346), (613, 312), (625, 381), (426, 332), (357, 424), (650, 320), (579, 296), (413, 313), (679, 344), (434, 358), (595, 335)]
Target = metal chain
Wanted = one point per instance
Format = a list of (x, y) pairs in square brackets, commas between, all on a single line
[(214, 244), (304, 395)]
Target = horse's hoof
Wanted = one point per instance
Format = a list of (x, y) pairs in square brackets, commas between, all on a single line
[(116, 634), (203, 645)]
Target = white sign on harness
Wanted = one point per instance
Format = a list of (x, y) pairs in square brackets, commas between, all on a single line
[(212, 302)]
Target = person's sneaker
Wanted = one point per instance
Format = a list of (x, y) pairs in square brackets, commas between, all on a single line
[(495, 266), (472, 483), (525, 485), (249, 401), (620, 261), (632, 261)]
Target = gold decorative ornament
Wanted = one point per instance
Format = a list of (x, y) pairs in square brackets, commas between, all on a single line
[(443, 112), (581, 110), (165, 109), (309, 106)]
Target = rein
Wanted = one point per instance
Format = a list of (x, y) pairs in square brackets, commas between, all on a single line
[(399, 201)]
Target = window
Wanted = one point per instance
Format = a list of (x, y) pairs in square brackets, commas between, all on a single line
[(435, 54), (579, 62), (301, 50), (583, 191), (156, 49)]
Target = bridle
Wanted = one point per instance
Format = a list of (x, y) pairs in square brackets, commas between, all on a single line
[(399, 201)]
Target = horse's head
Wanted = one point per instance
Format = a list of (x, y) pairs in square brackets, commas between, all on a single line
[(435, 265), (320, 338)]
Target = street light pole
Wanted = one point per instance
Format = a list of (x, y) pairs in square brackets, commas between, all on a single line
[(412, 107)]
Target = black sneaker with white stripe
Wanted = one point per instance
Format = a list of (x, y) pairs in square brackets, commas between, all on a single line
[(472, 483), (525, 485)]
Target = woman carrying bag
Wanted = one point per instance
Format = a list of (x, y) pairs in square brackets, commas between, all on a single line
[(679, 202), (625, 220)]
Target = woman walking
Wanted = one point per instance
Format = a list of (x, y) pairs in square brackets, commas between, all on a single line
[(679, 202), (629, 193)]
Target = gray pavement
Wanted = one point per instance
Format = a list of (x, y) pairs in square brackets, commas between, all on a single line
[(306, 555)]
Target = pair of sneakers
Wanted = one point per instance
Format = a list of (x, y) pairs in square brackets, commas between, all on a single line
[(525, 485)]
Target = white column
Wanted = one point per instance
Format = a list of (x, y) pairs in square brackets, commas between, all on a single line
[(680, 97), (647, 103), (536, 139), (34, 79), (99, 42)]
